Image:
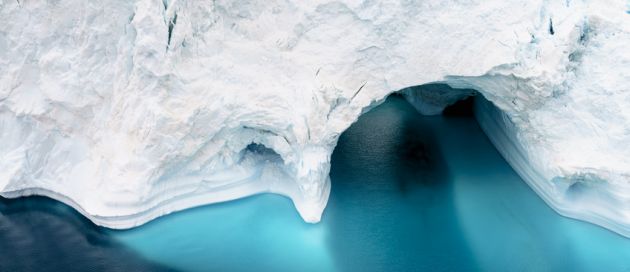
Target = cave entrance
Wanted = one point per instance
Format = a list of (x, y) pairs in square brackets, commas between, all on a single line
[(417, 174), (400, 180), (412, 191), (398, 147)]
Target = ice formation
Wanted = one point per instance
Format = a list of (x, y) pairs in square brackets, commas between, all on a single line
[(128, 110)]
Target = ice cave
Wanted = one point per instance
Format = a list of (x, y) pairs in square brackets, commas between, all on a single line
[(127, 111)]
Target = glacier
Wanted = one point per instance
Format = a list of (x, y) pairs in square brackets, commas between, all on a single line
[(129, 110)]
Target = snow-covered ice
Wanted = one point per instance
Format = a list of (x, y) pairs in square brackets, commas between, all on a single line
[(128, 110)]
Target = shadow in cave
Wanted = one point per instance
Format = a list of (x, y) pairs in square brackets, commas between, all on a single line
[(389, 187), (41, 234), (461, 108), (389, 141)]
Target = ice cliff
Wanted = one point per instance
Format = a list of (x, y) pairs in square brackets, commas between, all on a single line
[(128, 110)]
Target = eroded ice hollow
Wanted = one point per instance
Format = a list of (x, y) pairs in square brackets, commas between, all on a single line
[(129, 110)]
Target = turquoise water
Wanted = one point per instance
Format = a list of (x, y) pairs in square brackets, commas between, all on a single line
[(409, 193)]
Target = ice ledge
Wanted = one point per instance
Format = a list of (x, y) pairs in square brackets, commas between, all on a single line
[(309, 194), (582, 195)]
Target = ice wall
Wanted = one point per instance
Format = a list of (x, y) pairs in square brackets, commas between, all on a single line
[(128, 110)]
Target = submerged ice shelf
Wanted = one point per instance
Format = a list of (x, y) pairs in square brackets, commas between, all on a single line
[(128, 110)]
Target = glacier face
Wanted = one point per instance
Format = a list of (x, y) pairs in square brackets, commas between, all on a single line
[(128, 110)]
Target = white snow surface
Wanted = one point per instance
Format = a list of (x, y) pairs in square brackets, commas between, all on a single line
[(128, 110)]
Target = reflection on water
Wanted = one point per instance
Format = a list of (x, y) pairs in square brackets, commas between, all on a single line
[(409, 193), (39, 234)]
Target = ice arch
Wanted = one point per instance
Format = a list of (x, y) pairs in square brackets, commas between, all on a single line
[(128, 110), (584, 196)]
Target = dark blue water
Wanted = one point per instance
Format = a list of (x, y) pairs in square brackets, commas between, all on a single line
[(409, 193), (40, 234)]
